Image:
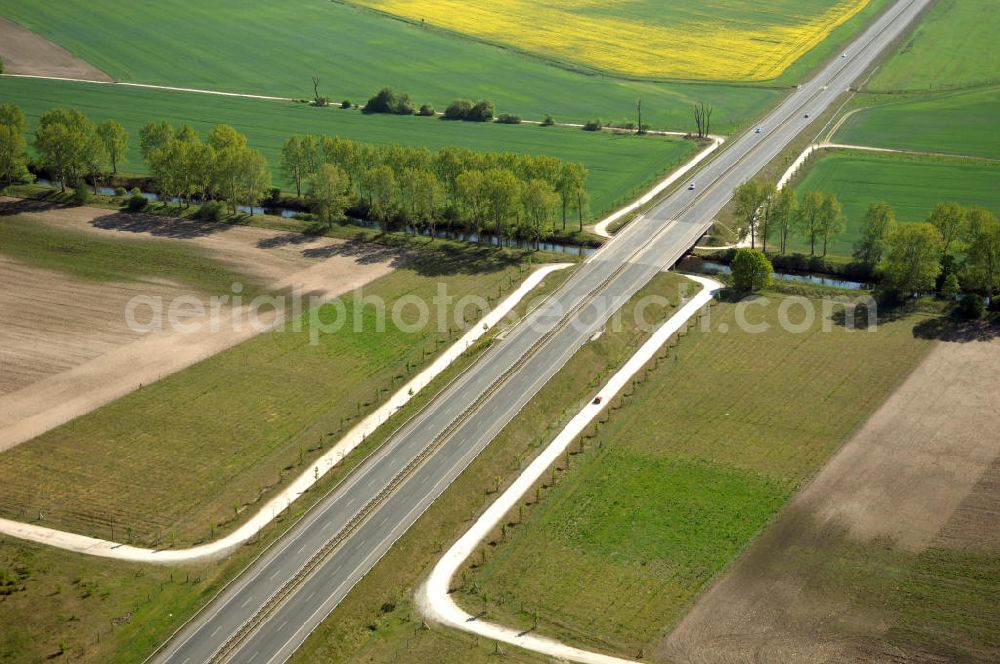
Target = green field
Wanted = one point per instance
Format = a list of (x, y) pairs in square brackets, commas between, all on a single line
[(962, 123), (276, 48), (619, 165), (912, 185), (163, 471), (683, 476), (87, 256), (953, 47)]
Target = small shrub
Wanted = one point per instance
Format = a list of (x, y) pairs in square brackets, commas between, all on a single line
[(458, 110), (592, 125), (321, 101), (137, 202), (548, 121), (483, 111), (345, 104), (426, 110), (81, 194), (387, 101), (120, 191), (507, 118), (212, 211), (971, 307)]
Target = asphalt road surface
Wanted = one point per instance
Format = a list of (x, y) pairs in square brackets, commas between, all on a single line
[(431, 450)]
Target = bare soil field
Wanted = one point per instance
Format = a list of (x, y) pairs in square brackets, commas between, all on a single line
[(24, 52), (65, 345), (891, 553)]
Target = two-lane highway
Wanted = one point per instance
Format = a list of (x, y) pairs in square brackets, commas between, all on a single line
[(345, 534)]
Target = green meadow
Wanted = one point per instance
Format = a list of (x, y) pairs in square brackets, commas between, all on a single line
[(953, 47), (619, 165), (963, 123), (912, 185)]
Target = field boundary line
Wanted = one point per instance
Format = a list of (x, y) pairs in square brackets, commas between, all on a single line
[(434, 596), (316, 470)]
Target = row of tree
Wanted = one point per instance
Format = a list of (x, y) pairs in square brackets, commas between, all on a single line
[(222, 167), (956, 250), (69, 145), (764, 212), (514, 194)]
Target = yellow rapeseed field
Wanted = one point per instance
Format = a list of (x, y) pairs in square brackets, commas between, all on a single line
[(736, 40)]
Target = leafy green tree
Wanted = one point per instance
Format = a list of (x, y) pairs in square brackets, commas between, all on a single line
[(831, 220), (62, 150), (747, 202), (879, 219), (328, 193), (913, 257), (951, 286), (471, 198), (154, 135), (95, 158), (571, 187), (539, 200), (13, 154), (948, 219), (12, 116), (502, 196), (383, 192), (256, 178), (982, 251), (751, 269), (294, 165), (422, 193), (783, 212), (115, 140), (223, 137), (809, 219)]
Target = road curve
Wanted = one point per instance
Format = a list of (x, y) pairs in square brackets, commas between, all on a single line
[(345, 534)]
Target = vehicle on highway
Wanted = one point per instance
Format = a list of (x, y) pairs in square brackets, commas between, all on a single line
[(598, 400), (759, 130), (844, 55), (691, 187), (807, 116)]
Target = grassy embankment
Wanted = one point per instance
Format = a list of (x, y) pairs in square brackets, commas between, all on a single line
[(276, 49), (620, 166), (686, 474)]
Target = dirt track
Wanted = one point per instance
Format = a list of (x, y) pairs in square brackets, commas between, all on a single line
[(924, 470), (24, 52), (66, 347)]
